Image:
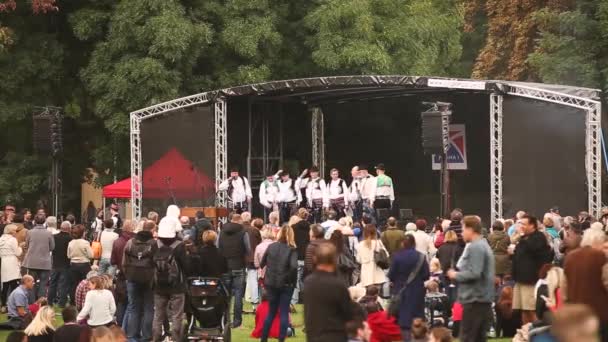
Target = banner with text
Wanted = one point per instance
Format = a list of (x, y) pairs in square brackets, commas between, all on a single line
[(457, 152)]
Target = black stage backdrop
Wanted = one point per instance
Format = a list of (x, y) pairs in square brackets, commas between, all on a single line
[(543, 157)]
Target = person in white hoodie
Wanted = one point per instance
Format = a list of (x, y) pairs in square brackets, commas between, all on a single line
[(171, 219)]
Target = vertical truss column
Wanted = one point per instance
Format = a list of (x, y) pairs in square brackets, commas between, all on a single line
[(496, 157), (221, 148), (594, 159), (318, 139), (136, 172)]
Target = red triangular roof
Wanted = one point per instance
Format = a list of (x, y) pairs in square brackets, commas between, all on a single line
[(172, 173)]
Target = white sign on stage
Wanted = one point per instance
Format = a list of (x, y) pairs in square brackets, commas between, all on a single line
[(457, 152)]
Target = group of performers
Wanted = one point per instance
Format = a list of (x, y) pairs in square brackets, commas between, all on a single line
[(280, 192)]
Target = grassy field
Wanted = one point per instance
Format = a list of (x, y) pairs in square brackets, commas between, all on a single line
[(241, 334)]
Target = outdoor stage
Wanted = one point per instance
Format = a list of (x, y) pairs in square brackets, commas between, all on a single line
[(528, 146)]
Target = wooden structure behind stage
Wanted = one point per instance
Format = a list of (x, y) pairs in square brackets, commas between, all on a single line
[(211, 213)]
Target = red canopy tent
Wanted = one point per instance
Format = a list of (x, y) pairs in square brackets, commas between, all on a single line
[(171, 175)]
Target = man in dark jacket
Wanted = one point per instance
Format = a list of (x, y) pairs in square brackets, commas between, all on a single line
[(317, 236), (235, 247), (171, 266), (118, 250), (61, 263), (301, 232), (456, 226), (138, 266), (327, 304), (199, 227), (531, 253)]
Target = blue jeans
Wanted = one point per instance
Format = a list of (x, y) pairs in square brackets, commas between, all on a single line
[(42, 279), (296, 292), (252, 285), (235, 281), (59, 287), (105, 267), (278, 300), (140, 311)]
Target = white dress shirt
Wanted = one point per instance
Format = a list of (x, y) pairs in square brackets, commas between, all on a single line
[(368, 188), (241, 191), (288, 191), (317, 189), (269, 193), (337, 189)]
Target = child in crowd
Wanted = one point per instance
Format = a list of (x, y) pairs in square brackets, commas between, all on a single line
[(419, 330), (456, 318), (436, 305), (440, 334), (436, 273)]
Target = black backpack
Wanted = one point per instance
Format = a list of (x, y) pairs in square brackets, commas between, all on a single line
[(167, 272), (139, 261)]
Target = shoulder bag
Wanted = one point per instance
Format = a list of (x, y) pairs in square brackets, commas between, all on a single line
[(380, 256), (96, 247), (395, 304)]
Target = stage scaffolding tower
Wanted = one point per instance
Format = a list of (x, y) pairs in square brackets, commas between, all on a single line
[(265, 154)]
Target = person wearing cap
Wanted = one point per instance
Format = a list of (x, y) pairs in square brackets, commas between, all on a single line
[(115, 215), (239, 191), (338, 193), (317, 195), (287, 197), (269, 193), (170, 290), (354, 194), (385, 191), (368, 192)]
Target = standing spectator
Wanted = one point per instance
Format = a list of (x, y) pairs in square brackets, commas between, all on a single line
[(267, 239), (41, 329), (51, 225), (71, 330), (371, 273), (455, 225), (80, 255), (38, 258), (515, 226), (327, 305), (99, 306), (96, 225), (61, 265), (9, 263), (21, 234), (186, 229), (573, 235), (18, 313), (424, 244), (583, 269), (316, 235), (450, 251), (346, 263), (531, 252), (26, 218), (115, 216), (118, 250), (280, 277), (211, 263), (409, 270), (253, 232), (499, 242), (301, 231), (392, 238), (138, 265), (171, 263), (329, 224), (475, 277), (234, 246), (107, 238), (437, 235), (201, 225)]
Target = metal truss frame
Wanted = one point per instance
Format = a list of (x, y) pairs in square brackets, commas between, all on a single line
[(318, 139), (265, 152), (221, 148), (593, 157)]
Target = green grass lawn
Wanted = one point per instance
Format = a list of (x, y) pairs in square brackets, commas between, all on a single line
[(242, 333)]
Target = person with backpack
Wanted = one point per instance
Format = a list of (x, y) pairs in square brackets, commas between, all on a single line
[(138, 265), (171, 265)]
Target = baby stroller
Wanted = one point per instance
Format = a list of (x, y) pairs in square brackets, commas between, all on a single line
[(209, 307)]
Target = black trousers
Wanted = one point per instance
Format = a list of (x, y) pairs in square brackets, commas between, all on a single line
[(476, 321)]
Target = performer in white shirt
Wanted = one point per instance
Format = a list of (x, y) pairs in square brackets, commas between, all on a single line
[(316, 192), (239, 191), (368, 192), (354, 195), (301, 185), (269, 195), (288, 196), (338, 193)]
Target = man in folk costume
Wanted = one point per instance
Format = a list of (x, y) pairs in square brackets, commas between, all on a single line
[(239, 191), (301, 185), (385, 192), (269, 193), (288, 196), (316, 192), (368, 192), (338, 193), (355, 203)]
